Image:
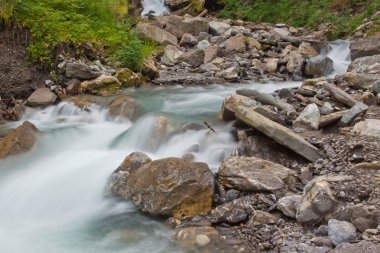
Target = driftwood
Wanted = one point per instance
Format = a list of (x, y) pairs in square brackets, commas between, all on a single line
[(340, 95), (278, 133), (209, 127), (331, 118), (266, 99)]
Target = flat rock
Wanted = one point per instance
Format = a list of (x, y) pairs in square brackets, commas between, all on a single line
[(81, 71), (179, 25), (41, 97), (156, 34), (288, 205), (368, 127), (362, 247), (364, 47), (358, 109)]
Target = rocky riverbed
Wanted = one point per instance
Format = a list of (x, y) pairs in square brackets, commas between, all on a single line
[(304, 172)]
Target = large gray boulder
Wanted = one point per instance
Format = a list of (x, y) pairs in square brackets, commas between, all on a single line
[(309, 118), (364, 47), (193, 57), (156, 34), (255, 174), (81, 71), (41, 97), (178, 25), (319, 66), (368, 64), (218, 28), (172, 187)]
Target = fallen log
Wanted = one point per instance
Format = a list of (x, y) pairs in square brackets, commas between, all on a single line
[(340, 95), (266, 99), (331, 118), (279, 133)]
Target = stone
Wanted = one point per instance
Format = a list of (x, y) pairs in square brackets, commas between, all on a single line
[(281, 31), (259, 218), (362, 247), (278, 133), (203, 44), (288, 205), (319, 66), (368, 98), (236, 44), (254, 175), (200, 236), (210, 54), (230, 104), (295, 62), (235, 211), (352, 113), (340, 95), (80, 71), (322, 241), (102, 86), (326, 108), (128, 78), (317, 202), (341, 231), (117, 184), (367, 65), (364, 47), (171, 55), (368, 127), (231, 74), (218, 28), (309, 118), (73, 86), (125, 107), (253, 43), (376, 87), (208, 68), (172, 187), (149, 69), (19, 140), (156, 34), (176, 4), (307, 49), (193, 57), (178, 25), (83, 102), (361, 81), (271, 64), (41, 97), (157, 133), (188, 40)]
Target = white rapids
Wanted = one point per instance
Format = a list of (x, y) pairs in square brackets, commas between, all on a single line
[(156, 7)]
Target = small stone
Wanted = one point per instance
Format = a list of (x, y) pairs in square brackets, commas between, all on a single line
[(326, 108), (341, 231), (202, 240), (203, 44)]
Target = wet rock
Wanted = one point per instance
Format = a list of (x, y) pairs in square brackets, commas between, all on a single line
[(81, 71), (352, 113), (125, 107), (236, 44), (19, 140), (41, 97), (235, 211), (158, 132), (288, 205), (178, 25), (368, 127), (200, 236), (341, 231), (171, 55), (188, 40), (128, 78), (117, 184), (172, 187), (193, 57), (361, 81), (102, 86), (211, 53), (82, 101), (364, 47), (362, 247), (259, 218), (368, 64), (309, 118), (254, 174), (319, 66), (218, 28), (73, 86), (317, 202), (156, 34), (326, 108)]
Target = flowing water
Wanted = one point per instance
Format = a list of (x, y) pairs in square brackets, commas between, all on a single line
[(53, 199), (155, 7)]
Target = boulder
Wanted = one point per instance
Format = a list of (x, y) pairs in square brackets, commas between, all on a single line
[(231, 103), (255, 174), (236, 44), (235, 211), (19, 140), (172, 187), (368, 65), (193, 57), (188, 40), (295, 62), (361, 81), (41, 97), (309, 118), (117, 184), (306, 49), (317, 202), (128, 78), (210, 54), (73, 86), (149, 69), (364, 47), (288, 205), (176, 4), (368, 127), (178, 25), (218, 28), (102, 86), (125, 107), (156, 34), (260, 218), (230, 74), (171, 55), (81, 71), (319, 66), (341, 231)]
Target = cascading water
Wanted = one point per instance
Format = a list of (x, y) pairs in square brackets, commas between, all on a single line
[(339, 52), (53, 199), (156, 7)]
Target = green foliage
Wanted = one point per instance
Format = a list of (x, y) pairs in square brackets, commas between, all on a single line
[(7, 10), (103, 23), (309, 13)]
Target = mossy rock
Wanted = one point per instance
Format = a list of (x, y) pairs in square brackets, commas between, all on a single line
[(102, 86), (128, 78)]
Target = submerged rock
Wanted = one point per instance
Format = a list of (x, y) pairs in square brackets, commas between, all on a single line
[(19, 140), (200, 236), (125, 107), (319, 66)]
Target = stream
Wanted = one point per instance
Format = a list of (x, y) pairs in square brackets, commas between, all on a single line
[(53, 198)]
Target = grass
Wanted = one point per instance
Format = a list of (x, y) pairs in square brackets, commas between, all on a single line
[(346, 15), (105, 24)]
